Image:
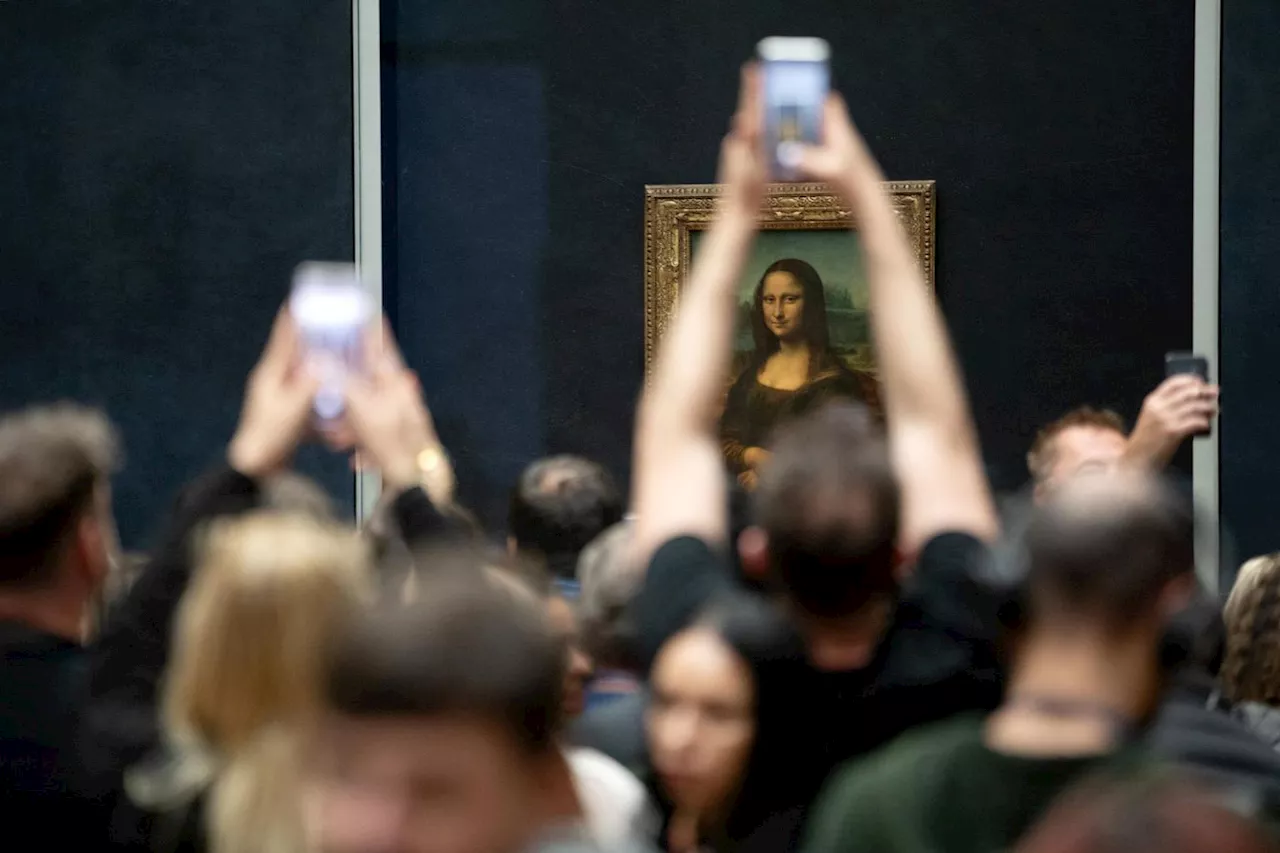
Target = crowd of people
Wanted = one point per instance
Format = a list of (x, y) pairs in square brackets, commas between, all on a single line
[(836, 664)]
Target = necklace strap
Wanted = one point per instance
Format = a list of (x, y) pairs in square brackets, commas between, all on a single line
[(1064, 707)]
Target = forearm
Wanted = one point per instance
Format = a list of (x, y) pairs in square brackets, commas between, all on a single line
[(128, 661), (678, 477), (695, 355), (421, 523), (920, 378), (932, 439)]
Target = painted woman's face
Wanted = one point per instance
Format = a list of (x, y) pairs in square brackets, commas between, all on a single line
[(783, 304), (701, 719)]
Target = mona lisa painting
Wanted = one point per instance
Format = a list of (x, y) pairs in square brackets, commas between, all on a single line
[(802, 335)]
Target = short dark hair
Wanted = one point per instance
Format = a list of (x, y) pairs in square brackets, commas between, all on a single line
[(1041, 456), (53, 459), (464, 646), (828, 501), (1104, 549), (559, 505)]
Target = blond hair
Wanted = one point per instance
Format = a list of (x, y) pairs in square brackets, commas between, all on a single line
[(244, 677), (1251, 667)]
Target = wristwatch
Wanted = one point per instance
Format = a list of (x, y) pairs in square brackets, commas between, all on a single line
[(435, 474), (431, 459)]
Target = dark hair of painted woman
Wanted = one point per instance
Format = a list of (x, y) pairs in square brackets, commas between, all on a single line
[(812, 327), (792, 369)]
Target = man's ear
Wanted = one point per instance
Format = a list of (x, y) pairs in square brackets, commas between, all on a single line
[(904, 564), (92, 551), (1177, 595), (513, 550), (753, 553)]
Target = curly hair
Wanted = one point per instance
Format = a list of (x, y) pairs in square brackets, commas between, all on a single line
[(1251, 669)]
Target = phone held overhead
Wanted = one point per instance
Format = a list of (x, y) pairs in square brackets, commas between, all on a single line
[(797, 77), (332, 311)]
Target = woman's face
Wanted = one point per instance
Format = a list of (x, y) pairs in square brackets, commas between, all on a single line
[(701, 719), (783, 304)]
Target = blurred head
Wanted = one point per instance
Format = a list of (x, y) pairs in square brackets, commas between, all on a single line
[(1137, 818), (293, 493), (1251, 669), (1195, 643), (827, 504), (442, 727), (559, 505), (251, 633), (704, 712), (1111, 559), (1083, 441), (531, 585), (609, 584), (790, 305), (57, 532), (563, 617)]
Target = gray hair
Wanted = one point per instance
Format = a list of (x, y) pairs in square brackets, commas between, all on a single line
[(609, 582)]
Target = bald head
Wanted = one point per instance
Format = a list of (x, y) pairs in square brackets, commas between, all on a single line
[(1104, 550)]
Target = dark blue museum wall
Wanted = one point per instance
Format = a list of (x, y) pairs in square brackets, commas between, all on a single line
[(1250, 256), (520, 135), (166, 164)]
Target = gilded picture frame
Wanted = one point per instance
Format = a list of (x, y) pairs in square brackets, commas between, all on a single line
[(675, 215)]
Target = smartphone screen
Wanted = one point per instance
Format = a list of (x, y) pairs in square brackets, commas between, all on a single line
[(797, 78), (331, 311)]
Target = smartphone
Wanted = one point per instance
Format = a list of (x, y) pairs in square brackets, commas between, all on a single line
[(797, 77), (331, 311), (1178, 363)]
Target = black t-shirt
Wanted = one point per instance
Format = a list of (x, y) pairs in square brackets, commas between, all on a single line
[(42, 688), (937, 658)]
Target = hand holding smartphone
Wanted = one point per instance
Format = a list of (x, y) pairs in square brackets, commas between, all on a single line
[(1180, 363), (797, 78), (331, 311)]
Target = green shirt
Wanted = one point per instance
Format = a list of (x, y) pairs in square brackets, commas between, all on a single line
[(939, 788)]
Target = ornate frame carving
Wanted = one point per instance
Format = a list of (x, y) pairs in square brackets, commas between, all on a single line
[(672, 213)]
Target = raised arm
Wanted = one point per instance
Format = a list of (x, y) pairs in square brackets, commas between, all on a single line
[(679, 475), (1183, 406), (126, 665), (932, 438), (393, 428)]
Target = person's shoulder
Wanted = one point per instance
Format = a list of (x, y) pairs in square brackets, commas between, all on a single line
[(901, 769), (955, 552), (1262, 720), (615, 729), (617, 803), (686, 552), (836, 377), (895, 786), (952, 586), (593, 767)]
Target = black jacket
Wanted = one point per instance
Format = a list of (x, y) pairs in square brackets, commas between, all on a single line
[(1196, 732)]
